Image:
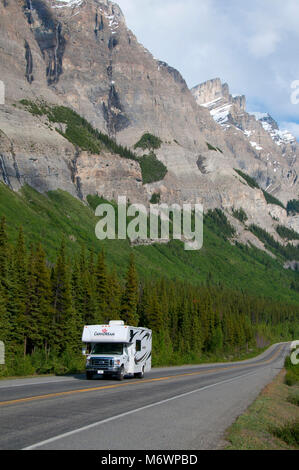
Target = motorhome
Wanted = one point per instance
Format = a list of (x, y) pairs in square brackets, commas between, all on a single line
[(117, 350)]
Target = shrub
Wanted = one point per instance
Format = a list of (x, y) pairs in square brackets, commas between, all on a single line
[(155, 199), (148, 141), (250, 181), (218, 221), (32, 107), (288, 252), (287, 233), (291, 378), (272, 200), (152, 169), (240, 214), (40, 362), (288, 433), (294, 399), (211, 147), (292, 375), (23, 366), (293, 207)]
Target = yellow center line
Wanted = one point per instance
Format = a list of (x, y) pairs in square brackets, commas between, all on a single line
[(158, 379)]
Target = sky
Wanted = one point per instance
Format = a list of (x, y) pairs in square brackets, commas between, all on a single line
[(252, 46)]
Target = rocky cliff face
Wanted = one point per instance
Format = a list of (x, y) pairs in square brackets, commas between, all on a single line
[(80, 54), (216, 97)]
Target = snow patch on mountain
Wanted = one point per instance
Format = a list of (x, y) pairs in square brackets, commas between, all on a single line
[(280, 137), (221, 114), (211, 103), (67, 3), (255, 145), (113, 23), (259, 115)]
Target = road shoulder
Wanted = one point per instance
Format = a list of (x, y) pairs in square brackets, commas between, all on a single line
[(271, 411)]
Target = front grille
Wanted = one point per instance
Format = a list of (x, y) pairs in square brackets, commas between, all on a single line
[(102, 362)]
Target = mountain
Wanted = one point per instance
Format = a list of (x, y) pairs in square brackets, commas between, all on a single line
[(276, 151), (281, 138), (78, 55)]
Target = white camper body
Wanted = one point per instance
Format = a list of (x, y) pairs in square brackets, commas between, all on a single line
[(117, 349)]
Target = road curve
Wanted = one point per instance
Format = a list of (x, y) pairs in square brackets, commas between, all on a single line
[(185, 407)]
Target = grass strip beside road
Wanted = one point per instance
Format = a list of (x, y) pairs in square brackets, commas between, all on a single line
[(272, 418)]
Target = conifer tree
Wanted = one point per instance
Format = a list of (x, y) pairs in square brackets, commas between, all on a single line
[(3, 250), (101, 288), (164, 303), (78, 283), (196, 334), (83, 293), (4, 320), (130, 296), (62, 302), (20, 288), (43, 295), (206, 318), (114, 296), (31, 280), (39, 315), (152, 310)]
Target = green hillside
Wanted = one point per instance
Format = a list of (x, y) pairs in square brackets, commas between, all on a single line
[(48, 218)]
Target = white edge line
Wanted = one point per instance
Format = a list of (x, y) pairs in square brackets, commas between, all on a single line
[(113, 418)]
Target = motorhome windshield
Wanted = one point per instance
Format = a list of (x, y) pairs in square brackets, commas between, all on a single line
[(108, 348)]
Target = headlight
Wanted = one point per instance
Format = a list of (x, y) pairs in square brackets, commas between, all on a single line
[(117, 362)]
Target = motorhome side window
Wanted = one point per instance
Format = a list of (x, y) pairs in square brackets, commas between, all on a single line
[(138, 345)]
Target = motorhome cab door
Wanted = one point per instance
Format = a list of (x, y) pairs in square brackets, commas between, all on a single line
[(131, 358)]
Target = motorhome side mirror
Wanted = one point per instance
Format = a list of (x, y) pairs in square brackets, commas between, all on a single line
[(84, 351)]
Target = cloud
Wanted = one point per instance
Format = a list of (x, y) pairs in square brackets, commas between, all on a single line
[(263, 44), (250, 45), (292, 127)]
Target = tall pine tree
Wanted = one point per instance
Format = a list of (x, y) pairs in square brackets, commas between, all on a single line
[(130, 296)]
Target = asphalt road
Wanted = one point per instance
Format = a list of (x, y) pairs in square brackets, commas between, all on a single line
[(174, 408)]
